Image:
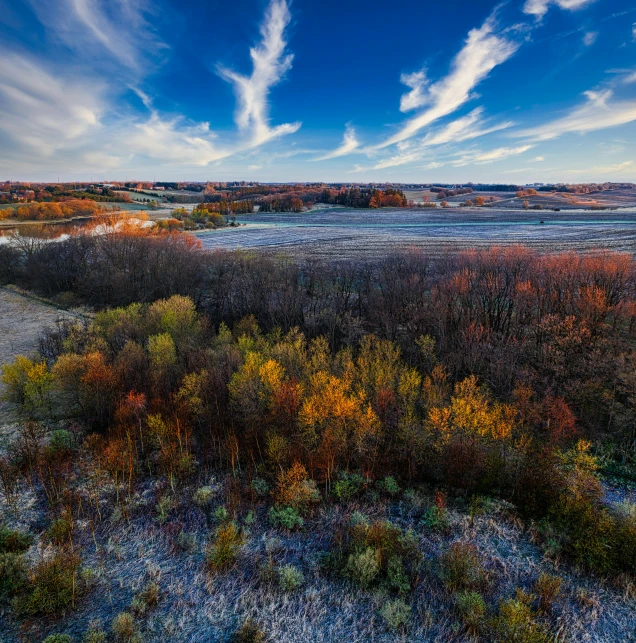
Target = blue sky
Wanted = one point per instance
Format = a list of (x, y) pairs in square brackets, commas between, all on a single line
[(318, 90)]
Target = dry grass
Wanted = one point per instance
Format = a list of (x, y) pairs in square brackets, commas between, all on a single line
[(126, 557)]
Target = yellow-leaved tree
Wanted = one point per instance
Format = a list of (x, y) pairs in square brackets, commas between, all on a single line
[(338, 426)]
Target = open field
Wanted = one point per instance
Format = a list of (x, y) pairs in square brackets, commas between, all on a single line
[(616, 198), (346, 233)]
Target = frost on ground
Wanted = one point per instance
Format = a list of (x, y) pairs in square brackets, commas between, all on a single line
[(360, 234), (198, 606)]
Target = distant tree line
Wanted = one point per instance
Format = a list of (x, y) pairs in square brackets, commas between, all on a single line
[(50, 211), (365, 197)]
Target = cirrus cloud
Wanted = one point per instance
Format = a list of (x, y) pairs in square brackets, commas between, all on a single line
[(539, 8), (483, 50), (269, 66), (599, 111), (349, 144), (41, 113)]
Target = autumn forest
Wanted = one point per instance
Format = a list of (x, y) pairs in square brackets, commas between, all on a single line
[(216, 399)]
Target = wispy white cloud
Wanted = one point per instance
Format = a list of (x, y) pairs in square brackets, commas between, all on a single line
[(349, 144), (599, 111), (91, 15), (482, 52), (270, 64), (91, 27), (417, 97), (172, 141), (402, 158), (501, 153), (52, 120), (50, 116), (464, 158), (497, 154), (462, 129), (468, 127), (634, 32), (539, 8), (41, 112), (589, 38), (398, 159)]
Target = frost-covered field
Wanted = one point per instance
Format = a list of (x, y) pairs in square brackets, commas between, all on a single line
[(344, 233)]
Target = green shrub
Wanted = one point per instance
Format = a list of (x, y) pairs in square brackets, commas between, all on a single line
[(221, 514), (54, 585), (397, 578), (436, 518), (290, 578), (286, 517), (61, 442), (562, 489), (413, 498), (595, 538), (586, 533), (225, 547), (363, 567), (379, 552), (479, 505), (260, 487), (58, 638), (461, 568), (348, 486), (472, 610), (187, 541), (624, 538), (60, 531), (164, 507), (516, 622), (358, 518), (203, 496), (388, 485), (396, 614), (13, 575), (249, 632), (13, 542)]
